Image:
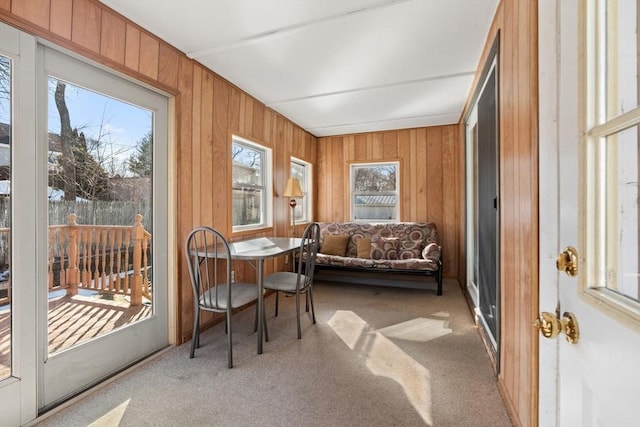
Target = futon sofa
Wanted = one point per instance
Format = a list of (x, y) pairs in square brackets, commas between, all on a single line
[(401, 247)]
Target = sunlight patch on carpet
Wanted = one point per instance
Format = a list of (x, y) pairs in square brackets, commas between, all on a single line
[(113, 417), (420, 329), (384, 358)]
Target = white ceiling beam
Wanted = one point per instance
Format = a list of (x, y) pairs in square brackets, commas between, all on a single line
[(373, 87), (260, 37)]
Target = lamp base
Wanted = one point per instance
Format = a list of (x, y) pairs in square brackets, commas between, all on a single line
[(292, 204)]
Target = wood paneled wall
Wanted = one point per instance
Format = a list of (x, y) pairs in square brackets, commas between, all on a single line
[(429, 178), (208, 110), (516, 23)]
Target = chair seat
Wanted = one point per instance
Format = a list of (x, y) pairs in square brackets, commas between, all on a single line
[(283, 281), (243, 293)]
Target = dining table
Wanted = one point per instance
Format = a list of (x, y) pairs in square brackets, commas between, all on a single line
[(258, 250)]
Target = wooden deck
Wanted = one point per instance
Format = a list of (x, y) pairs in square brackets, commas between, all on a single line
[(76, 319)]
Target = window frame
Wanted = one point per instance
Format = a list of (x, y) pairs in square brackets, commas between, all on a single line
[(266, 172), (353, 194), (596, 126), (306, 183)]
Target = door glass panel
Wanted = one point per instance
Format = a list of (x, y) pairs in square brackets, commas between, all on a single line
[(622, 57), (5, 217), (474, 207), (625, 251), (100, 205)]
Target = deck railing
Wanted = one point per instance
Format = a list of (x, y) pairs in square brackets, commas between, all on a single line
[(105, 258)]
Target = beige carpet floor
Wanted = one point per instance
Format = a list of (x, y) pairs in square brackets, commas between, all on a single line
[(378, 356)]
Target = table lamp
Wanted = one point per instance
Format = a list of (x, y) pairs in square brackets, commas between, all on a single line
[(293, 190)]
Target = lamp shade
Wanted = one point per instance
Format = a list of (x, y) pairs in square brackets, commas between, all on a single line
[(293, 188)]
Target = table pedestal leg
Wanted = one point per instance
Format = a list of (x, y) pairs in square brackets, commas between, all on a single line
[(260, 305)]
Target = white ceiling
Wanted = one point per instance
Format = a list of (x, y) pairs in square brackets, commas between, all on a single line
[(333, 67)]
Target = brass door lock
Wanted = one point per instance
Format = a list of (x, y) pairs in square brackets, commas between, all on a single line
[(551, 325), (567, 261)]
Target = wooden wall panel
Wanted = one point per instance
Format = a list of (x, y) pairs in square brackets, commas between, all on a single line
[(112, 42), (321, 179), (169, 59), (234, 110), (149, 53), (35, 11), (408, 209), (205, 177), (86, 25), (196, 148), (451, 217), (423, 154), (132, 48), (434, 170), (60, 20), (184, 138), (221, 150)]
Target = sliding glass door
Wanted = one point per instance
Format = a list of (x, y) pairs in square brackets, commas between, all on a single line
[(482, 206)]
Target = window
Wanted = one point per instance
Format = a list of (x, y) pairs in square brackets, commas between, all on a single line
[(6, 119), (611, 129), (251, 194), (302, 171), (374, 192)]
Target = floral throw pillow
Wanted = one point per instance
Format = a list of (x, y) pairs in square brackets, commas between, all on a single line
[(384, 247), (410, 249)]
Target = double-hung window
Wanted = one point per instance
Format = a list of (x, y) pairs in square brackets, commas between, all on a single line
[(251, 192), (301, 170), (375, 191)]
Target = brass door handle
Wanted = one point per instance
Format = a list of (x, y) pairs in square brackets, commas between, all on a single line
[(548, 324), (567, 261), (551, 325)]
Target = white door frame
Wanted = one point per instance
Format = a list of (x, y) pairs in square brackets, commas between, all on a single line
[(18, 393), (548, 75)]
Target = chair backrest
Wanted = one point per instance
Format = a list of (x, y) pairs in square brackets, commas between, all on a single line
[(209, 260), (307, 257)]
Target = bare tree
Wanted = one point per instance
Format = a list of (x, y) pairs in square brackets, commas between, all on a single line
[(245, 156), (82, 171), (375, 179), (5, 81), (106, 151), (67, 139)]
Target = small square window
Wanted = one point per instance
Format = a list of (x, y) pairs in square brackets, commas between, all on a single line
[(374, 192)]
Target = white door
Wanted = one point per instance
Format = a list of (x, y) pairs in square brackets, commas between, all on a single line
[(117, 142), (589, 154)]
